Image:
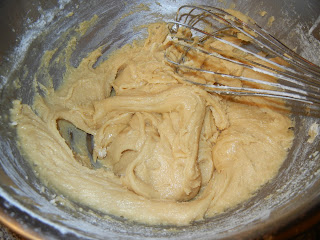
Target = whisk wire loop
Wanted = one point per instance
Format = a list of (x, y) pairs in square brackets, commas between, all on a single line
[(298, 79)]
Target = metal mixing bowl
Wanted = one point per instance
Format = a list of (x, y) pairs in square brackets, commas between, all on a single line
[(28, 28)]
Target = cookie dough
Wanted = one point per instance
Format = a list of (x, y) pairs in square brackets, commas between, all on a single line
[(170, 152)]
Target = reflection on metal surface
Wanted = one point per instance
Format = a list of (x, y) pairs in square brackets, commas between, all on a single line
[(315, 29), (17, 227)]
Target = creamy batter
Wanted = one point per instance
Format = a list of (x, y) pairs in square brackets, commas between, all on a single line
[(170, 152)]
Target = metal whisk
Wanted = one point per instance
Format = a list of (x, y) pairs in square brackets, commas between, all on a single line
[(196, 27)]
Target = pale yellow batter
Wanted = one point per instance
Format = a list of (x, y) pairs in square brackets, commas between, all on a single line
[(171, 152)]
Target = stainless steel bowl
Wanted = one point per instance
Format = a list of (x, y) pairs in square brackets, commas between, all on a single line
[(28, 28)]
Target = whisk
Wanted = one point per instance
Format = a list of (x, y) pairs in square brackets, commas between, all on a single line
[(297, 78)]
